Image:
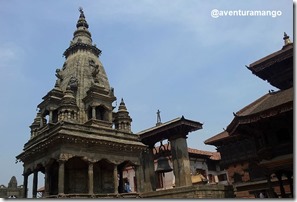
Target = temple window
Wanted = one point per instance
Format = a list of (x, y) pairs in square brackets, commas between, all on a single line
[(55, 116), (89, 113), (100, 113)]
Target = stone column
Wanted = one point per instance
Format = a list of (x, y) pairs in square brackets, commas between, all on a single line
[(25, 189), (280, 181), (147, 171), (41, 122), (46, 181), (137, 176), (121, 182), (50, 118), (139, 180), (61, 177), (35, 181), (151, 167), (91, 178), (93, 112), (115, 179), (181, 162)]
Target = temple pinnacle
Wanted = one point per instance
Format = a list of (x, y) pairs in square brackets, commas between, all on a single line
[(286, 39)]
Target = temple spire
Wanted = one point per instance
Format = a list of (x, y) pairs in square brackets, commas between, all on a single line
[(122, 106), (82, 34), (82, 20), (82, 38)]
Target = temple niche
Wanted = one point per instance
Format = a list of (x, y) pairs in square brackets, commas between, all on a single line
[(84, 145)]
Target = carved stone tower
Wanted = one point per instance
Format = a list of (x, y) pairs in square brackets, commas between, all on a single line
[(82, 93), (77, 141), (83, 147)]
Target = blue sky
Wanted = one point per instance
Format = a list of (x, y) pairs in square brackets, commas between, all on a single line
[(169, 55)]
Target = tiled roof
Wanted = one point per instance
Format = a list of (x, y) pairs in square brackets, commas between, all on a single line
[(211, 155), (263, 104), (267, 101), (219, 136), (272, 57)]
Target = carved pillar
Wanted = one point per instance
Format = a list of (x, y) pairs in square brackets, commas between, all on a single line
[(139, 180), (41, 122), (281, 185), (50, 118), (180, 161), (93, 112), (151, 167), (35, 181), (91, 178), (116, 179), (121, 181), (25, 189), (61, 177), (46, 181)]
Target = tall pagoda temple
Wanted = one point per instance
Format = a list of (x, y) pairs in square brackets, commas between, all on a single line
[(257, 146)]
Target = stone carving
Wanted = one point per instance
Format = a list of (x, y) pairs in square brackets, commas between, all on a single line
[(95, 71), (73, 83), (59, 75), (65, 157)]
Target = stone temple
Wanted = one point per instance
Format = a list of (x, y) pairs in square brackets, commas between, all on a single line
[(82, 144)]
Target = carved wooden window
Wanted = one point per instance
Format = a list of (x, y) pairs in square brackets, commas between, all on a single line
[(237, 177), (283, 136)]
